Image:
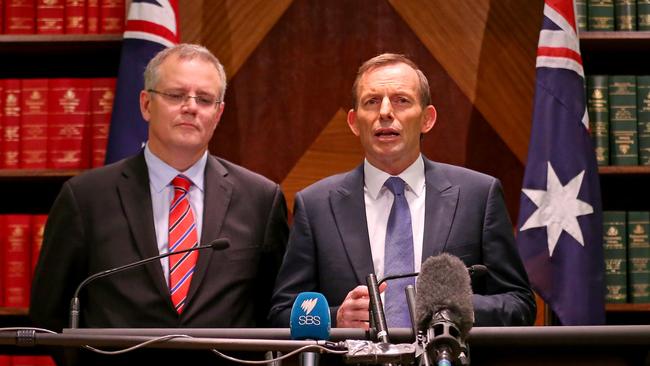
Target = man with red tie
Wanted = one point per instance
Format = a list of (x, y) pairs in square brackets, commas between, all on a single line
[(171, 196)]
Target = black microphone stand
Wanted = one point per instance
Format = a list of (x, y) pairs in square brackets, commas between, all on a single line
[(218, 244)]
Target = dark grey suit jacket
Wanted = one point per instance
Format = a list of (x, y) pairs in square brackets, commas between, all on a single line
[(103, 219), (329, 250)]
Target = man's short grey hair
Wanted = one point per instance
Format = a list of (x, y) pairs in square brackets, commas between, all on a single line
[(183, 51), (386, 59)]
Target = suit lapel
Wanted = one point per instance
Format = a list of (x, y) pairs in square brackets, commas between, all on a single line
[(441, 201), (218, 192), (348, 207), (134, 193)]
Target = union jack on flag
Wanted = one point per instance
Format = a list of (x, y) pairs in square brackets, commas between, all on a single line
[(560, 218), (151, 26)]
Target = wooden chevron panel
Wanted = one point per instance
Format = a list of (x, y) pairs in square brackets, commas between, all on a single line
[(488, 47), (230, 28), (334, 151), (284, 102), (190, 21)]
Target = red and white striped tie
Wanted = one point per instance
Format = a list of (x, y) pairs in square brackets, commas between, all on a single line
[(182, 235)]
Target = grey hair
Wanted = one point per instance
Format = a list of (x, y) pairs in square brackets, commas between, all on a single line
[(183, 51), (389, 59)]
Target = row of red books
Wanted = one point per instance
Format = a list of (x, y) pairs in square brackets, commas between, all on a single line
[(21, 237), (26, 361), (55, 123), (63, 16)]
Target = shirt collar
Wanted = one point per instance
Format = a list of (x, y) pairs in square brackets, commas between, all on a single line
[(161, 174), (413, 176)]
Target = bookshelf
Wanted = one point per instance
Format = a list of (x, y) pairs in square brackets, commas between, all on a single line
[(623, 187), (32, 191)]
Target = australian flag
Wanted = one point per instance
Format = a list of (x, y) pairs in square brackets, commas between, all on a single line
[(151, 26), (560, 218)]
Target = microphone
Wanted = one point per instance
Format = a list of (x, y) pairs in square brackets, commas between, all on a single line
[(377, 309), (310, 319), (444, 309), (217, 244), (477, 271)]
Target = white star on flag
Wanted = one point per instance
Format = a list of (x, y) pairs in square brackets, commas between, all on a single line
[(558, 208)]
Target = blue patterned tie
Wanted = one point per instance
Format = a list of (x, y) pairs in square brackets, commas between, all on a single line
[(398, 255)]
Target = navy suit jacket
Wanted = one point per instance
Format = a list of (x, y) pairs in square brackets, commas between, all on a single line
[(329, 250)]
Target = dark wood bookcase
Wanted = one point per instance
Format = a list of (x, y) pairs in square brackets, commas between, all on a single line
[(47, 56), (624, 188)]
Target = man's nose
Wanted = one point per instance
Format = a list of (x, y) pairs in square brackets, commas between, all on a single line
[(386, 108)]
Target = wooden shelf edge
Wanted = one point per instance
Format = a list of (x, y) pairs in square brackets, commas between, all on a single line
[(614, 35), (28, 38), (627, 307), (640, 169), (13, 311), (35, 173)]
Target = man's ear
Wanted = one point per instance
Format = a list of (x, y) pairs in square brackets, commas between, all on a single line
[(145, 102), (217, 116), (352, 122), (430, 116)]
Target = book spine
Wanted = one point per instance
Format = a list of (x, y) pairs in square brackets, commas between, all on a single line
[(101, 98), (624, 149), (600, 15), (75, 16), (581, 15), (43, 361), (625, 11), (68, 124), (598, 109), (11, 141), (19, 16), (38, 229), (638, 224), (17, 260), (49, 16), (92, 17), (3, 261), (643, 117), (643, 14), (22, 360), (615, 254), (111, 14), (33, 127), (2, 122)]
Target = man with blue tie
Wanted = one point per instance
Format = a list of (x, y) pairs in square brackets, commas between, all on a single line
[(397, 209)]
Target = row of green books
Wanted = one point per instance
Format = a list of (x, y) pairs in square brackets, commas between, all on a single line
[(619, 118), (611, 15), (626, 249)]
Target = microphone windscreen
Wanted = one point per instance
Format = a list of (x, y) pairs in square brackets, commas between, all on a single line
[(444, 284), (220, 244), (310, 317), (477, 271)]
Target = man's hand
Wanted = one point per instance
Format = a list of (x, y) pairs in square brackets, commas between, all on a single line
[(354, 312)]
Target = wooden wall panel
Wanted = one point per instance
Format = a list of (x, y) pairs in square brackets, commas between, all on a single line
[(230, 28), (335, 150), (488, 47), (291, 65)]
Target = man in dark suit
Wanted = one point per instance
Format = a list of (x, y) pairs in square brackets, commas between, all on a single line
[(121, 213), (344, 226)]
